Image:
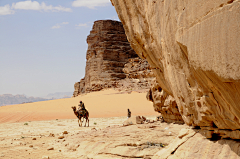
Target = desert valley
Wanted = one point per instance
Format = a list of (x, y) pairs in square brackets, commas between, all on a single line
[(174, 64)]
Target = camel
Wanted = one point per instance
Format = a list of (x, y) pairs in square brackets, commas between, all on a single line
[(80, 114)]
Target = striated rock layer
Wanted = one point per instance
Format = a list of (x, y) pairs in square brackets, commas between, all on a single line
[(193, 48), (111, 62)]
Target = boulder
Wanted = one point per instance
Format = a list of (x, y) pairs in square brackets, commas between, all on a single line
[(134, 120)]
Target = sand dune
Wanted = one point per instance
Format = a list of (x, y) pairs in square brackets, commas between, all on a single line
[(108, 103)]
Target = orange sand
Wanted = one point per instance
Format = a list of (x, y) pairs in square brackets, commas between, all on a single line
[(108, 103)]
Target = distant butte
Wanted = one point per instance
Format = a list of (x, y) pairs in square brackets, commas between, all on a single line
[(111, 62)]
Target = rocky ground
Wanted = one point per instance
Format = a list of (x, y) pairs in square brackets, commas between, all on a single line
[(107, 138), (104, 138)]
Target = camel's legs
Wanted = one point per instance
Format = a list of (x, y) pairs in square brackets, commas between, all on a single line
[(81, 121), (87, 121)]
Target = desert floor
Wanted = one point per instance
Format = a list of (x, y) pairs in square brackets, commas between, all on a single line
[(29, 130), (49, 129), (107, 138)]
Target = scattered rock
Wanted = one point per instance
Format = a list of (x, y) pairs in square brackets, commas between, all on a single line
[(60, 137), (146, 157), (144, 126), (94, 129), (159, 118), (134, 120), (144, 118), (65, 132), (45, 157), (128, 122), (51, 135), (183, 132), (30, 145), (139, 120), (151, 121), (50, 148), (169, 134), (34, 138)]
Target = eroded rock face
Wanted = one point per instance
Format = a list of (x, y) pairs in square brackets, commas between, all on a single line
[(193, 49), (111, 62), (108, 51), (164, 104), (139, 75)]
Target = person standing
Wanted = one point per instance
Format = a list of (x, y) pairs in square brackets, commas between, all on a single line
[(129, 113)]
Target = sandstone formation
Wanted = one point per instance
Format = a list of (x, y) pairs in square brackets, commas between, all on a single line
[(193, 49), (111, 62), (139, 75), (164, 104)]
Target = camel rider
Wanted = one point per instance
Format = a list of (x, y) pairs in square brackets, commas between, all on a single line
[(81, 107)]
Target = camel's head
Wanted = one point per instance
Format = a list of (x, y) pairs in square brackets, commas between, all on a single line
[(74, 108)]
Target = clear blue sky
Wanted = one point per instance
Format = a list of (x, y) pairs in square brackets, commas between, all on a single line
[(43, 43)]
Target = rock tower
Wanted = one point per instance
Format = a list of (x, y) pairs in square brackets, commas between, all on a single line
[(108, 53)]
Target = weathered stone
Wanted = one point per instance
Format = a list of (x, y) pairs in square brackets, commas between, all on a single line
[(50, 148), (193, 49), (65, 132), (108, 51), (111, 62), (60, 137), (164, 104), (139, 120), (129, 121)]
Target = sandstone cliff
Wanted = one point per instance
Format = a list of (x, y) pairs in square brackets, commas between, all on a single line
[(193, 48), (111, 62)]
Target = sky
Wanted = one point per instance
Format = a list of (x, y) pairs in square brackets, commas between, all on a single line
[(43, 43)]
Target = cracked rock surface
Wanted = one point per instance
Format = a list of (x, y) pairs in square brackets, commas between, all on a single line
[(193, 48), (109, 139)]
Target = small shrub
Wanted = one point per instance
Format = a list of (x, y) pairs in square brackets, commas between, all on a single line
[(95, 123), (25, 123)]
